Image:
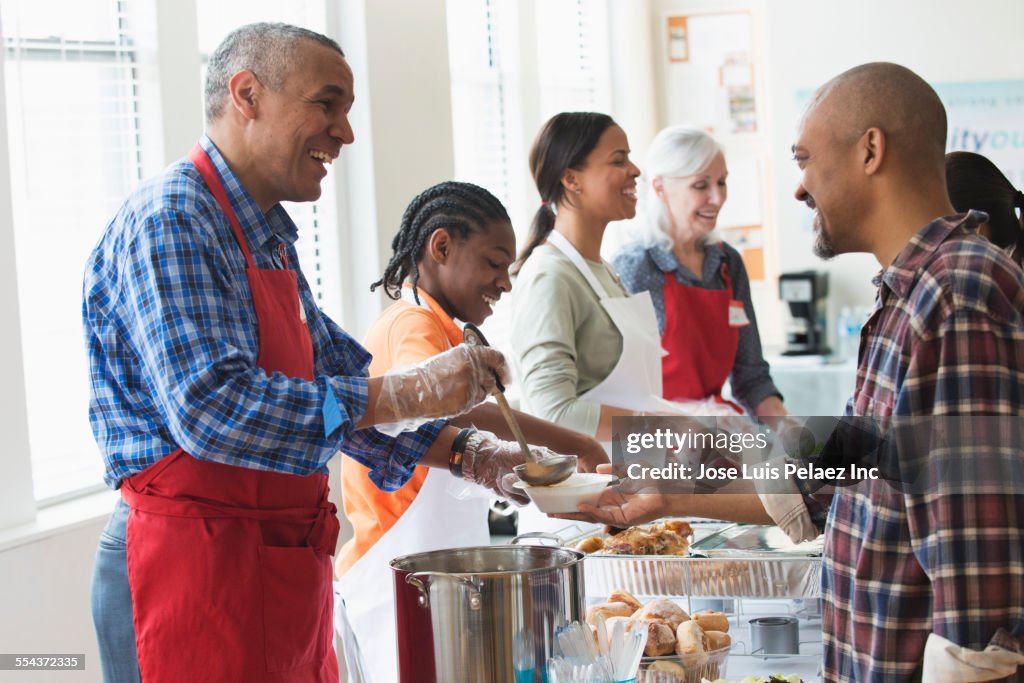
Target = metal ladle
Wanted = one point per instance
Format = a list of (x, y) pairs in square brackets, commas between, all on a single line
[(536, 471)]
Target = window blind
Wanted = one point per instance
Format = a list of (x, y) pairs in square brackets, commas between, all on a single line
[(501, 79), (571, 43), (479, 88), (71, 93)]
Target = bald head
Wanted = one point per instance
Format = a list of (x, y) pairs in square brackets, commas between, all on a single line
[(871, 150), (893, 99)]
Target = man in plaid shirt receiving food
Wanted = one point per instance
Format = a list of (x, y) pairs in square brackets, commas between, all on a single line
[(918, 582)]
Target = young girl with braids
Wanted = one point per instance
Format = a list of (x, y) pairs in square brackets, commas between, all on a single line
[(450, 263)]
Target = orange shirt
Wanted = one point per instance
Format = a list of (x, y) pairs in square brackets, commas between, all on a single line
[(404, 334)]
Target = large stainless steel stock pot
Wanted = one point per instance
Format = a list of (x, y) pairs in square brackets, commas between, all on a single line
[(483, 614)]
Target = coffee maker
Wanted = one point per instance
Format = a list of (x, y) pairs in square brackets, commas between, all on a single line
[(804, 292)]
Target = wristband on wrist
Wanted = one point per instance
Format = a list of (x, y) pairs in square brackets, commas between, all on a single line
[(458, 450)]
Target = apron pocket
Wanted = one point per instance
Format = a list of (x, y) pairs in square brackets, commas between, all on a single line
[(295, 581)]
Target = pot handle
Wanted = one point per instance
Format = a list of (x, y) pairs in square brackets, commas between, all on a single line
[(420, 580), (538, 534)]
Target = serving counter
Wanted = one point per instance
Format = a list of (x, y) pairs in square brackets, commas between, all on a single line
[(751, 573)]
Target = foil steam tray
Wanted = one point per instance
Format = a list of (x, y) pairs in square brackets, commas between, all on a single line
[(725, 561)]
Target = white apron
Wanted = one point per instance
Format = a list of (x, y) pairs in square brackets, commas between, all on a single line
[(635, 381), (446, 513)]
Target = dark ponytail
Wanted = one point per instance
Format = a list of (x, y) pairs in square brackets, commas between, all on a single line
[(458, 207), (564, 142), (974, 182)]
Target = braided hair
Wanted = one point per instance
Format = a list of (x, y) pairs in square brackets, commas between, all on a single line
[(458, 207)]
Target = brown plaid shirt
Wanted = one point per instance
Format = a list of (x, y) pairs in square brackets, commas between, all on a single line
[(946, 338)]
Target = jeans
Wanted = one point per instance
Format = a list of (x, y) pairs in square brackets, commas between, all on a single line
[(112, 602)]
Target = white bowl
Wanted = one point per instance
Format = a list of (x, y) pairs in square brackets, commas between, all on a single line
[(581, 487)]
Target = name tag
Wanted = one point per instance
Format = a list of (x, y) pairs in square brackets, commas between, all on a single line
[(738, 314)]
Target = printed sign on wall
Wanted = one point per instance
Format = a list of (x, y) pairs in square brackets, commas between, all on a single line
[(987, 118)]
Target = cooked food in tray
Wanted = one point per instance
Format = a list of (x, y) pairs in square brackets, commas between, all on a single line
[(671, 537), (710, 558)]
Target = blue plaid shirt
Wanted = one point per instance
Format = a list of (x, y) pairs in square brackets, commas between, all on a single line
[(172, 341)]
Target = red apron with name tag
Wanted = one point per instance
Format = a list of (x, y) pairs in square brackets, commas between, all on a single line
[(230, 567), (700, 339)]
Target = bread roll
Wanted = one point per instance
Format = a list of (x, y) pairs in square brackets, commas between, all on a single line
[(623, 596), (716, 640), (710, 620), (663, 610), (660, 639), (590, 545), (690, 644), (608, 610)]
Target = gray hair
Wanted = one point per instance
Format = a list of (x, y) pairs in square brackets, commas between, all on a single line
[(266, 49), (675, 152)]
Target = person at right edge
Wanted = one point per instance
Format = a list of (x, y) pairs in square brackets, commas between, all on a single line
[(974, 182), (917, 585)]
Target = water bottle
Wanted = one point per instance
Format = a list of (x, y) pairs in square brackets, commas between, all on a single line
[(847, 334)]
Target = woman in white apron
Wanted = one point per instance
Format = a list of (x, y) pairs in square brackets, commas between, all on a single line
[(585, 349), (451, 260)]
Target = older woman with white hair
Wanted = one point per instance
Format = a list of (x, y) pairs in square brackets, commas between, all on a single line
[(699, 284)]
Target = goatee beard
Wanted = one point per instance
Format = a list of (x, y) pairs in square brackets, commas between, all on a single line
[(823, 247)]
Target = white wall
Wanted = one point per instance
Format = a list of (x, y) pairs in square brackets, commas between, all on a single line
[(45, 598), (810, 41)]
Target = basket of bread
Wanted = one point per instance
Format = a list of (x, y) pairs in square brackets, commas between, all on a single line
[(680, 648)]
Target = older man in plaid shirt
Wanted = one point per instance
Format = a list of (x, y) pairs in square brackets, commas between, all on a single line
[(220, 390), (919, 580)]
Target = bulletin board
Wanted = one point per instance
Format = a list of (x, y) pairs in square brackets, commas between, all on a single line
[(710, 82), (710, 77)]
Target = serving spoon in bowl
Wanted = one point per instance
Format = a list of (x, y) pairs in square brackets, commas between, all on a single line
[(537, 470)]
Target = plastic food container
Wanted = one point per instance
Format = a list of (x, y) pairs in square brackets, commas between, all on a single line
[(581, 487), (671, 669)]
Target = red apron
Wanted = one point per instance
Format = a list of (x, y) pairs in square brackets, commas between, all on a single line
[(230, 567), (700, 338)]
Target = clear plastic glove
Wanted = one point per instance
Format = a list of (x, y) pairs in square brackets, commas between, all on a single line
[(488, 461), (444, 385)]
